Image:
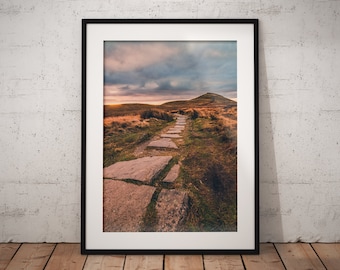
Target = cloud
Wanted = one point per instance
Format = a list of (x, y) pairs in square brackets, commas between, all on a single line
[(127, 56), (171, 69)]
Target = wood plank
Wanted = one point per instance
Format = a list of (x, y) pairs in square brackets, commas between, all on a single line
[(66, 257), (299, 256), (143, 262), (222, 262), (267, 259), (98, 262), (329, 254), (31, 257), (187, 262), (7, 252)]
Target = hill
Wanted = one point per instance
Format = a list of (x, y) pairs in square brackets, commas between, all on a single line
[(208, 99)]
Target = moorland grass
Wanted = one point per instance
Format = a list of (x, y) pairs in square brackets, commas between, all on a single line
[(208, 172), (121, 139), (208, 157)]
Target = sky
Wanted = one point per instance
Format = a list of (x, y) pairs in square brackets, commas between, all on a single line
[(156, 72)]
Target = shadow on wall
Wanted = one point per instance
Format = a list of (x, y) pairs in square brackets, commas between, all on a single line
[(270, 211)]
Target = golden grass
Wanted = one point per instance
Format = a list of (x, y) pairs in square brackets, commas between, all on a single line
[(131, 120), (207, 154)]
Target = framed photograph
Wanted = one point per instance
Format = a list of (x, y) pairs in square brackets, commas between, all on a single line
[(170, 136)]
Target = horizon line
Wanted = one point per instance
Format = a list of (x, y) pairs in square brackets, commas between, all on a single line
[(161, 102)]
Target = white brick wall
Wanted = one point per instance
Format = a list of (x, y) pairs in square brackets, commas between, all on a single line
[(40, 112)]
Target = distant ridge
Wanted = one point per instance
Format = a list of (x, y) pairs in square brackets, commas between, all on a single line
[(212, 97), (205, 100), (208, 99)]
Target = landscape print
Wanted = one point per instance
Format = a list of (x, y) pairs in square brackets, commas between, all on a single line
[(170, 136)]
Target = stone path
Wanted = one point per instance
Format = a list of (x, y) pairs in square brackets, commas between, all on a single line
[(124, 204), (173, 136), (121, 212), (143, 169), (171, 207), (173, 174), (163, 143)]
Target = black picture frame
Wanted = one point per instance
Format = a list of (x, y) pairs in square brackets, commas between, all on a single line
[(243, 240)]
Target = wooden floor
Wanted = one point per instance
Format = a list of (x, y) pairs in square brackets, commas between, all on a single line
[(272, 256)]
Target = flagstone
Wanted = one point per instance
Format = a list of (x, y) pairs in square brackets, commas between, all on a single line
[(171, 207), (172, 174), (143, 169), (124, 205), (167, 135), (163, 143), (174, 131)]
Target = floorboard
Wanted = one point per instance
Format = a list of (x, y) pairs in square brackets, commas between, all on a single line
[(66, 257), (222, 262), (329, 254), (289, 256), (188, 262), (143, 262), (109, 262), (31, 257), (299, 256), (267, 259), (7, 252)]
